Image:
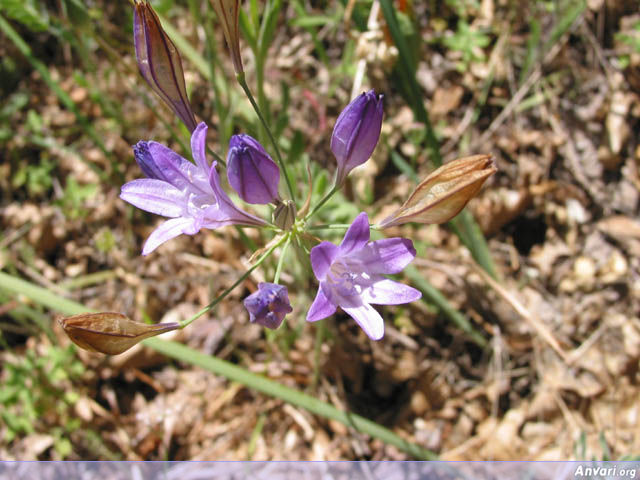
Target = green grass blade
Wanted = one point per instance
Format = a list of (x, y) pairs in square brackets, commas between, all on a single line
[(434, 296), (232, 372), (573, 11), (289, 395)]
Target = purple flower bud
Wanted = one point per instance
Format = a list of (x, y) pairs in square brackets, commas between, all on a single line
[(268, 305), (250, 170), (159, 62), (356, 133)]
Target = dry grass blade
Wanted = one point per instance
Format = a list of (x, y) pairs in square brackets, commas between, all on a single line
[(540, 328)]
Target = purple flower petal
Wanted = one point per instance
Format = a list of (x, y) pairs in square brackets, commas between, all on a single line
[(177, 171), (228, 212), (388, 292), (357, 235), (146, 162), (351, 277), (198, 146), (369, 320), (320, 308), (168, 230), (322, 256), (154, 196), (386, 256)]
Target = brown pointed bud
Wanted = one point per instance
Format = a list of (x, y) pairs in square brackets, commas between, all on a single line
[(109, 332), (445, 192), (284, 216), (159, 62), (227, 11)]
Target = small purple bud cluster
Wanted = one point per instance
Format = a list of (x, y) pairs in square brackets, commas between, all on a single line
[(268, 305)]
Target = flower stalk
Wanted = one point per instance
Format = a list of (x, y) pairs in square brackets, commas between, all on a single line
[(241, 278), (243, 83)]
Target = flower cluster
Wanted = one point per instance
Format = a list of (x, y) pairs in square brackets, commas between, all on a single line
[(352, 276)]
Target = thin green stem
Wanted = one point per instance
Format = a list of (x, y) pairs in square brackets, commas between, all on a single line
[(262, 99), (283, 254), (321, 203), (218, 158), (332, 226), (245, 87), (240, 279)]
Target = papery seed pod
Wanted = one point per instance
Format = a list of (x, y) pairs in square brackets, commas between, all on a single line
[(284, 216), (268, 305), (109, 332), (356, 133), (445, 192), (159, 62), (227, 11), (251, 171)]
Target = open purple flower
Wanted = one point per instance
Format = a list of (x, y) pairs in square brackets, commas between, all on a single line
[(268, 305), (190, 195), (351, 276), (356, 133)]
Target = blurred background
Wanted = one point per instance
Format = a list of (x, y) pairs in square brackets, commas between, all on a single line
[(537, 359)]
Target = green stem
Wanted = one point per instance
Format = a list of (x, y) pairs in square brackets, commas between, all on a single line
[(232, 372), (283, 254), (333, 226), (245, 87), (321, 203), (262, 99), (217, 157), (241, 279)]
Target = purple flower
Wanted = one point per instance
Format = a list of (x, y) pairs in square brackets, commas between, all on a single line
[(190, 195), (159, 62), (356, 133), (351, 276), (250, 170), (268, 305)]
